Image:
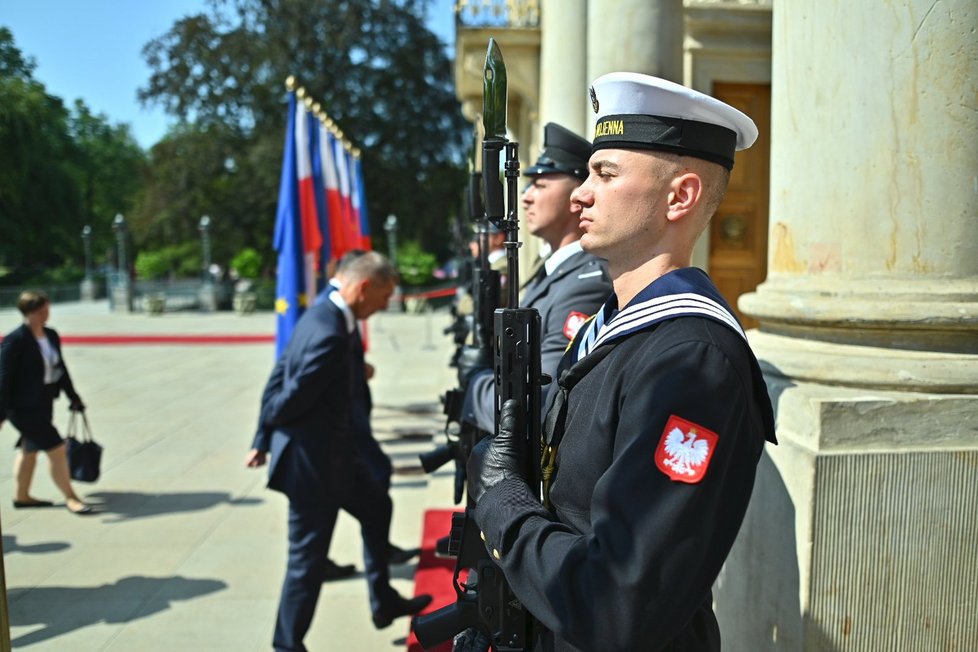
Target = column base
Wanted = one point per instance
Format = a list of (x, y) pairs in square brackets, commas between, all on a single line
[(871, 367), (861, 530), (905, 314)]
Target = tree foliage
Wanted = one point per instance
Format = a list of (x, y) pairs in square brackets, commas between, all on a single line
[(379, 73), (59, 170)]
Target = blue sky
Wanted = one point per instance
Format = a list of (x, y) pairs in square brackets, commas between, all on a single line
[(92, 49)]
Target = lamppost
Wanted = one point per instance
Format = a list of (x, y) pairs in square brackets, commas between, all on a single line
[(121, 294), (122, 271), (390, 226), (205, 243), (207, 294), (87, 286)]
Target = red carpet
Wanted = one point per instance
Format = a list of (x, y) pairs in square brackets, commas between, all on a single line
[(167, 339), (434, 574)]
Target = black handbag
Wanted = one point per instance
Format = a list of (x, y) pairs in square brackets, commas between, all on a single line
[(84, 454)]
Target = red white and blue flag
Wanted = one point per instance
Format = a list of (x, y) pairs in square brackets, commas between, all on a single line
[(312, 239), (321, 214), (360, 199)]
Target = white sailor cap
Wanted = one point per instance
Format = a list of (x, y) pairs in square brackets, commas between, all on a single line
[(638, 111)]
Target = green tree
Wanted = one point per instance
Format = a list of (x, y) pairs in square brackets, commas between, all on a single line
[(378, 72), (109, 170), (197, 170), (59, 170), (39, 201)]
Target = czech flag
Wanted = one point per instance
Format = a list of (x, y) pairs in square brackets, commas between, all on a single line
[(334, 202), (351, 229), (359, 200), (319, 189), (312, 239)]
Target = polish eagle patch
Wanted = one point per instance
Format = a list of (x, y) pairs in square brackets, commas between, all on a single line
[(573, 324), (684, 450)]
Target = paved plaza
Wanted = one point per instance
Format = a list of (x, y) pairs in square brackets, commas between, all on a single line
[(187, 549)]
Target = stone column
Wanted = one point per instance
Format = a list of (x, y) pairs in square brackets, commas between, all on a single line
[(862, 532), (563, 64), (634, 35)]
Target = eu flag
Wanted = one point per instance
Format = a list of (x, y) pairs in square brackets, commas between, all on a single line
[(288, 242)]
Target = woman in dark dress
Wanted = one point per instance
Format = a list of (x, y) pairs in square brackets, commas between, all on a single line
[(32, 375)]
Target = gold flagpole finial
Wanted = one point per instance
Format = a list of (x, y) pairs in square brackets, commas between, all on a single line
[(300, 93), (290, 83)]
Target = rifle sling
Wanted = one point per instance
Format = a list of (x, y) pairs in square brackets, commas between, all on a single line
[(553, 427)]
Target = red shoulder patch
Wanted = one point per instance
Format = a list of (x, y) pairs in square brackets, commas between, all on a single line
[(685, 450), (573, 324)]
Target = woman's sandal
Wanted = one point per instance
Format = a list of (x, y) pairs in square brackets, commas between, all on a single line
[(84, 509)]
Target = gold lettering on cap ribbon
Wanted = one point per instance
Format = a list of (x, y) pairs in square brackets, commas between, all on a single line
[(609, 128)]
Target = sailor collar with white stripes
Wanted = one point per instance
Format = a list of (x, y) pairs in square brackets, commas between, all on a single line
[(680, 293)]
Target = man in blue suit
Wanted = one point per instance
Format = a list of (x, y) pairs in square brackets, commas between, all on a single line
[(367, 446), (306, 426)]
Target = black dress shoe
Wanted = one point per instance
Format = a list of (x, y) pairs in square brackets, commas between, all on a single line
[(335, 572), (384, 616), (399, 555)]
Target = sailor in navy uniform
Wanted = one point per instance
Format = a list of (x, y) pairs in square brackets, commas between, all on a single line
[(661, 413), (572, 284)]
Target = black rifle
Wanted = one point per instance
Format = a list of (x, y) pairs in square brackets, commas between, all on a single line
[(461, 325), (484, 599), (471, 355)]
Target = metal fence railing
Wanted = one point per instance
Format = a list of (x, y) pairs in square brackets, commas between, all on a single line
[(58, 292)]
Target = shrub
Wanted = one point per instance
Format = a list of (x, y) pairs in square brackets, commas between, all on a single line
[(247, 263), (415, 265), (151, 265), (182, 260)]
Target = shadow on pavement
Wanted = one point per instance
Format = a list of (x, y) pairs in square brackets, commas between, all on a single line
[(62, 609), (10, 545), (123, 505)]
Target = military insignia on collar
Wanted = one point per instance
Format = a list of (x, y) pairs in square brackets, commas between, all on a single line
[(594, 99), (685, 450), (573, 324)]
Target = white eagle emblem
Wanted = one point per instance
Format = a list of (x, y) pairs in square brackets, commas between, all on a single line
[(685, 451)]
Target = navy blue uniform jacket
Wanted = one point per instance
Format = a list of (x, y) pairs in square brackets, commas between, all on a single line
[(626, 559), (305, 419)]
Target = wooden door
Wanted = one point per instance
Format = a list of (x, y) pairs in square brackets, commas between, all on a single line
[(738, 233)]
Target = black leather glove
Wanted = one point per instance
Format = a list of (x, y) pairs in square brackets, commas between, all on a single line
[(76, 406), (470, 361), (470, 640), (498, 458)]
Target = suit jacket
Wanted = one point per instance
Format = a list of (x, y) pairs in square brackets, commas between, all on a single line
[(22, 389), (305, 421), (564, 299), (363, 436)]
